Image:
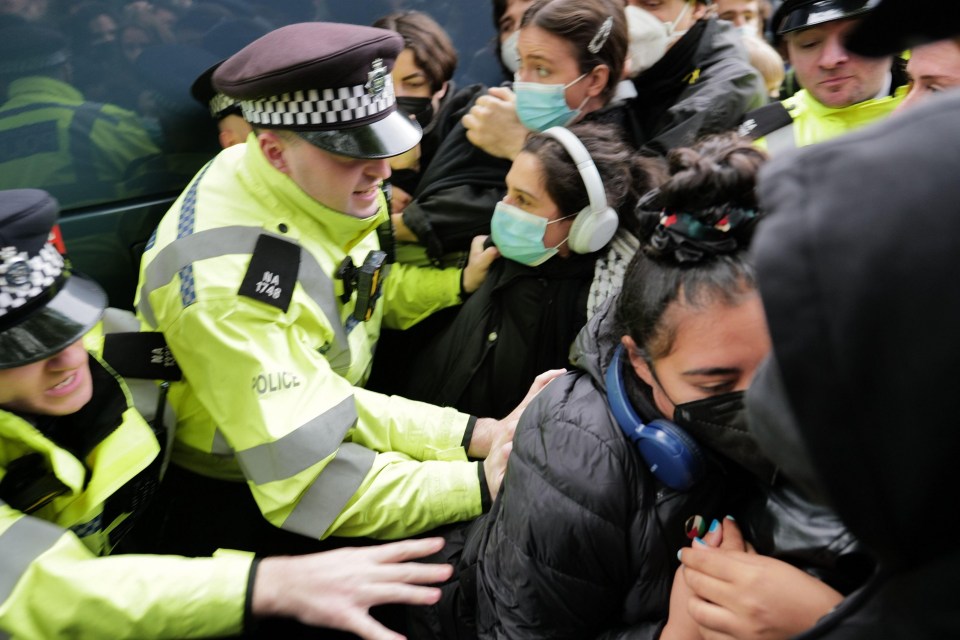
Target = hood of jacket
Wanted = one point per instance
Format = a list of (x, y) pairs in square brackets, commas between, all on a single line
[(593, 348), (854, 265)]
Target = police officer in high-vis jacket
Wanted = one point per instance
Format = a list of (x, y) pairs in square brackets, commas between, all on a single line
[(79, 461), (841, 91), (269, 281), (52, 137)]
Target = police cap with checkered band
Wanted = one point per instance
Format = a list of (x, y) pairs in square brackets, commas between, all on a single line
[(220, 105), (44, 306), (330, 83)]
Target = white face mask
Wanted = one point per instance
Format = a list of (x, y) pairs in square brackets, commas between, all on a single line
[(509, 54), (747, 31), (648, 39)]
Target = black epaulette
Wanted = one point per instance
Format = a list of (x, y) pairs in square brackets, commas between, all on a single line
[(764, 121), (140, 354), (273, 272)]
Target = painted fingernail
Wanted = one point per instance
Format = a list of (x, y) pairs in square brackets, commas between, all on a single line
[(699, 541), (731, 518), (695, 526), (679, 551), (714, 525)]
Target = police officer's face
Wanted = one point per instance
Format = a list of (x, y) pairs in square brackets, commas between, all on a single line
[(57, 386), (347, 185), (833, 75), (932, 68)]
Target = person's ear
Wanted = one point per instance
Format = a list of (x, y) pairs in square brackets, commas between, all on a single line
[(699, 10), (637, 361), (273, 147), (228, 138), (442, 91), (597, 80)]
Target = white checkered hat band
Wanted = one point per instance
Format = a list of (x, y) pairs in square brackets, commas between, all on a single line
[(319, 108), (23, 278), (220, 103)]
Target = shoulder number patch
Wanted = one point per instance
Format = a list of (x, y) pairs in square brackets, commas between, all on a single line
[(273, 272)]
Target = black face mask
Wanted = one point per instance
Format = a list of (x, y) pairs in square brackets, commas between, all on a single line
[(720, 422), (419, 108)]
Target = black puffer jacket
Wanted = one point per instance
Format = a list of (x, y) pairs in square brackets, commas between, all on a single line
[(857, 272), (583, 540)]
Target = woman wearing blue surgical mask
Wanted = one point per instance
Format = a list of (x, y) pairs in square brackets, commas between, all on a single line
[(524, 318)]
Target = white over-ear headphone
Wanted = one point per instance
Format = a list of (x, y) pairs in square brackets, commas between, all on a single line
[(596, 223)]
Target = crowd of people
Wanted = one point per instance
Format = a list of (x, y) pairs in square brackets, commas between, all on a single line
[(649, 337)]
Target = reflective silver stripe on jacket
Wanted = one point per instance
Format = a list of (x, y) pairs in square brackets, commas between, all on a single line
[(238, 240), (300, 449), (27, 539), (328, 495), (781, 140)]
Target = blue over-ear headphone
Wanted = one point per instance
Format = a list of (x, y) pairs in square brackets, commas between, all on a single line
[(674, 458)]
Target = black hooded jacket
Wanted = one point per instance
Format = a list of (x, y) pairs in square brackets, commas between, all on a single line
[(857, 272)]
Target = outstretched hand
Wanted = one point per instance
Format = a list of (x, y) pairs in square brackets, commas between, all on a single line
[(539, 383), (737, 593), (336, 589), (493, 439), (495, 464)]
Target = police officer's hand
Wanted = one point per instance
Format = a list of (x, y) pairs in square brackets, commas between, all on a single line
[(492, 124), (336, 589), (399, 199), (401, 232), (478, 264), (538, 385), (495, 464)]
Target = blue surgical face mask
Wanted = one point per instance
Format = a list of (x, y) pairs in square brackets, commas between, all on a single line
[(541, 106), (519, 235)]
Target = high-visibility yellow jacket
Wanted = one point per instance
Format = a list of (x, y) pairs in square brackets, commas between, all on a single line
[(54, 139), (813, 122), (52, 582), (273, 364)]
